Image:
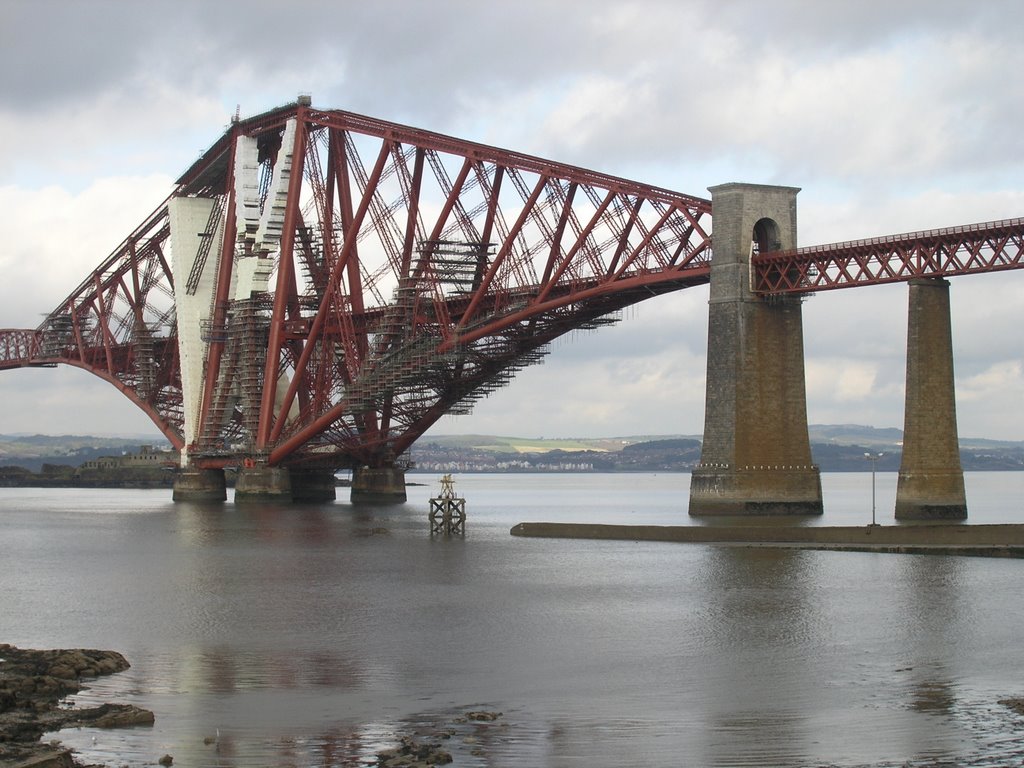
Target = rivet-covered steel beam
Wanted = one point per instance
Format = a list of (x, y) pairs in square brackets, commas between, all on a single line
[(988, 247)]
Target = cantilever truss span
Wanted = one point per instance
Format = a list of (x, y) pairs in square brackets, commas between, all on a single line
[(321, 287)]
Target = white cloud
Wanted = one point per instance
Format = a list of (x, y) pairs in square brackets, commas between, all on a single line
[(66, 400), (981, 399), (56, 237), (993, 383), (642, 376), (151, 126)]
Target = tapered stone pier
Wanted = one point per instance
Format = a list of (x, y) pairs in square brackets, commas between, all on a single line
[(931, 480), (378, 485), (756, 456), (192, 484)]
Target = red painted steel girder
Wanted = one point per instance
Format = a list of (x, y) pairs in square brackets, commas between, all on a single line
[(414, 272), (18, 347), (410, 274), (987, 247)]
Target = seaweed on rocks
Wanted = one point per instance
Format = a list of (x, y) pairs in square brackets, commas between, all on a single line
[(33, 683)]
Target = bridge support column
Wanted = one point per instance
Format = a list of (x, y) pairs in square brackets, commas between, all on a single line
[(931, 481), (193, 484), (756, 455), (313, 485), (263, 483), (378, 485)]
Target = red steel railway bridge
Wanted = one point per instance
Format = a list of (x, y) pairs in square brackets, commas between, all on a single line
[(321, 287)]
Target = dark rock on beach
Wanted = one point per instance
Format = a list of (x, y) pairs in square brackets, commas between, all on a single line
[(427, 748), (411, 753), (32, 685)]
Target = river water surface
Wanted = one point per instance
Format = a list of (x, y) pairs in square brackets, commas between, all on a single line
[(313, 635)]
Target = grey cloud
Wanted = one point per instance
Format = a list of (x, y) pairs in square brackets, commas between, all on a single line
[(445, 65), (56, 51)]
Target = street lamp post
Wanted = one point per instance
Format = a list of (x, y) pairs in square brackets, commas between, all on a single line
[(873, 458)]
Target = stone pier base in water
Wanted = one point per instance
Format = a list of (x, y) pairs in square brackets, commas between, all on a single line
[(767, 490), (263, 483), (199, 485), (381, 485)]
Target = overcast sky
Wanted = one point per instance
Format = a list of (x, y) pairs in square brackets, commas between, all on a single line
[(891, 116)]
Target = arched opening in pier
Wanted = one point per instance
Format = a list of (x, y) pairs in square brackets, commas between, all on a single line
[(766, 237)]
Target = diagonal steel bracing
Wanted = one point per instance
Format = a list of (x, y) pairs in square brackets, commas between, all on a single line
[(364, 278), (353, 280), (989, 247)]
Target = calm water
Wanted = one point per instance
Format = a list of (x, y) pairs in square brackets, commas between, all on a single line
[(309, 636)]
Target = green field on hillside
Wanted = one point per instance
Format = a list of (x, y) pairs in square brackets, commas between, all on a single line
[(499, 444)]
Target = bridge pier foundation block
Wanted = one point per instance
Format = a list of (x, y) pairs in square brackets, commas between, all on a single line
[(263, 483), (193, 484), (378, 485), (756, 454), (755, 491), (313, 485), (931, 481)]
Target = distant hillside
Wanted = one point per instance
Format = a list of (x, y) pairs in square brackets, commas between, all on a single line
[(506, 454), (854, 434), (498, 444), (835, 448), (33, 451)]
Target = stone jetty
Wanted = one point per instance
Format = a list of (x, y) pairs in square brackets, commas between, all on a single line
[(1005, 540)]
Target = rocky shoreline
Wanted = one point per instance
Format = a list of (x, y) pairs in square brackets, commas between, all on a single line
[(33, 685)]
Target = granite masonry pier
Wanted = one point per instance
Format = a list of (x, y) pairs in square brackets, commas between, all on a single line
[(931, 480), (756, 454)]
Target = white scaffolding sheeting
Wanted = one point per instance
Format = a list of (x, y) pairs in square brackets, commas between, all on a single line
[(260, 230), (268, 235), (247, 187), (188, 218)]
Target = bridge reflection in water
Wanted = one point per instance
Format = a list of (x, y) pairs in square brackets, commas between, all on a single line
[(324, 630)]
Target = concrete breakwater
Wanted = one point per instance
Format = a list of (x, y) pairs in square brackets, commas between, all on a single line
[(1004, 540)]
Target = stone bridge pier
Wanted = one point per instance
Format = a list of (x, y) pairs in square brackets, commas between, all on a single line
[(931, 481), (257, 483), (756, 456)]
